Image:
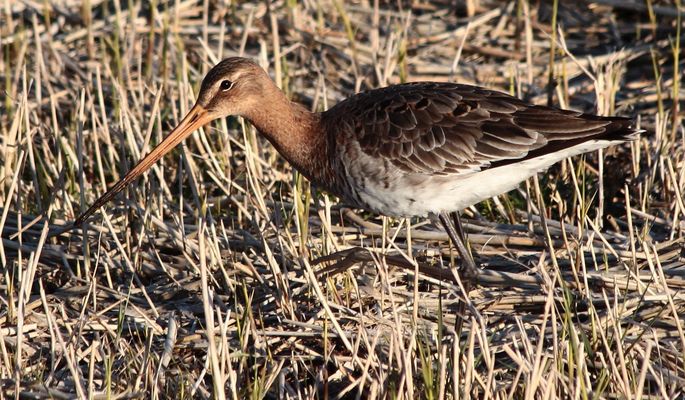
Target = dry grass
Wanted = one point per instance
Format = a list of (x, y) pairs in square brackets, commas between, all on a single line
[(199, 281)]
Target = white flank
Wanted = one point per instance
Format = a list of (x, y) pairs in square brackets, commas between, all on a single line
[(432, 194)]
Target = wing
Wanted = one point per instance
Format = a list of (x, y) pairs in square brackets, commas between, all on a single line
[(445, 128)]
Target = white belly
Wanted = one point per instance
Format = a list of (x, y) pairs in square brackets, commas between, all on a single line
[(419, 195)]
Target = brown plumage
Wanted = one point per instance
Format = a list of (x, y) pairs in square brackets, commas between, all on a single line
[(411, 149), (436, 136), (447, 128)]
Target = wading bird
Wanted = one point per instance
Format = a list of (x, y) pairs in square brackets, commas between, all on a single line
[(415, 149)]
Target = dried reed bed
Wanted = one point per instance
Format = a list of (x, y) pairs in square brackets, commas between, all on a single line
[(200, 280)]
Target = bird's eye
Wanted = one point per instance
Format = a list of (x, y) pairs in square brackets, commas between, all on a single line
[(225, 85)]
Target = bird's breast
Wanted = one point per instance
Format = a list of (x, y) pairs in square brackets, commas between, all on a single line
[(375, 184)]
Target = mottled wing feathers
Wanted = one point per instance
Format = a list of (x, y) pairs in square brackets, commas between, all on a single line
[(445, 128)]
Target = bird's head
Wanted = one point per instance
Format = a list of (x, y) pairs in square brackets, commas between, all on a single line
[(233, 87)]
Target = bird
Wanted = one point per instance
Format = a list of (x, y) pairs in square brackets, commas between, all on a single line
[(421, 149)]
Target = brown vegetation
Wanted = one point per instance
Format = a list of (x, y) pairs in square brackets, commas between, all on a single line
[(200, 280)]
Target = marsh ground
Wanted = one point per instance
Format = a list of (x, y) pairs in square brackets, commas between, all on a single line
[(198, 281)]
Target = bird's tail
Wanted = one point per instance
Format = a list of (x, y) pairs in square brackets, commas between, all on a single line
[(618, 129)]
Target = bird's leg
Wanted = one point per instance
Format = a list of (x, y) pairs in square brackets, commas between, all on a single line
[(470, 269)]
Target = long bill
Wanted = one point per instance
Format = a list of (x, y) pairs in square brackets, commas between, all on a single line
[(196, 118)]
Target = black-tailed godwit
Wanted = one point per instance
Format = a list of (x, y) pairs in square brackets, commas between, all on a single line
[(413, 149)]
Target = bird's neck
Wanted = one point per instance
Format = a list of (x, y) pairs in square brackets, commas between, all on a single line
[(295, 132)]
